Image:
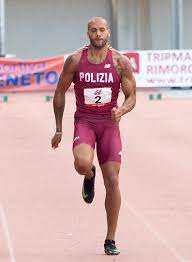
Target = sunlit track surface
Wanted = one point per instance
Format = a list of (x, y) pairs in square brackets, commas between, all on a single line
[(41, 194)]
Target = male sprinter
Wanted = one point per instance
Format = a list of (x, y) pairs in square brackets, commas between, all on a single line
[(97, 72)]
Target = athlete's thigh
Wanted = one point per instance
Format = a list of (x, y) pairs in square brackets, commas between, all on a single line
[(109, 144), (83, 141)]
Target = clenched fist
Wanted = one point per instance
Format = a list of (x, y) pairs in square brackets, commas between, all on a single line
[(116, 114), (56, 140)]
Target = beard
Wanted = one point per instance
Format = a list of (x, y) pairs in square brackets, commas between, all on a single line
[(98, 43)]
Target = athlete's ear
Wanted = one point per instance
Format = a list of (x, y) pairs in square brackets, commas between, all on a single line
[(109, 32)]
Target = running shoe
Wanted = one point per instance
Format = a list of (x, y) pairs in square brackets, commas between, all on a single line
[(88, 189), (110, 247)]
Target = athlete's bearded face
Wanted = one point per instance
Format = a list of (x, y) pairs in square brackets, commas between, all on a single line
[(98, 32)]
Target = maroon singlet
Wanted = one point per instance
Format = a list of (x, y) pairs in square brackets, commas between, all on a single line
[(96, 87)]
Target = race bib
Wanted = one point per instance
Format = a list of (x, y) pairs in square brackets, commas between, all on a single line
[(97, 96)]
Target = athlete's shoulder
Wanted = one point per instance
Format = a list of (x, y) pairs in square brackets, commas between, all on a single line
[(119, 57), (72, 59), (120, 61)]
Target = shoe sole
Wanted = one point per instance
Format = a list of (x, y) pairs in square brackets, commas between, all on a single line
[(111, 253)]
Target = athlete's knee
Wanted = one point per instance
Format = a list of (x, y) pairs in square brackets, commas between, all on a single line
[(111, 181), (82, 166)]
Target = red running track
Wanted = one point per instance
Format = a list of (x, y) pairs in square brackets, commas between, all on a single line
[(42, 215)]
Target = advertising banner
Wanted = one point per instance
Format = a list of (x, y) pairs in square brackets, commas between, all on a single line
[(162, 68), (30, 75)]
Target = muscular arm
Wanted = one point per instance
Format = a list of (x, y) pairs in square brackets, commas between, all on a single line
[(128, 85), (65, 80)]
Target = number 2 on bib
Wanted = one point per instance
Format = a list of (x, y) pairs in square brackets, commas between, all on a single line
[(97, 96)]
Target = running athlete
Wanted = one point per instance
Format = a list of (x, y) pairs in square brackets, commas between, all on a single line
[(97, 71)]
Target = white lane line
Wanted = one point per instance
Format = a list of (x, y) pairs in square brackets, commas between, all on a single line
[(154, 232), (4, 223)]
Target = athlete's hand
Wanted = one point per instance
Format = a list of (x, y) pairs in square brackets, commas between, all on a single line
[(116, 114), (56, 140)]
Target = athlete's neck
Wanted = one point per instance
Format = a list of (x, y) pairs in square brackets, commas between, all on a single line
[(97, 55)]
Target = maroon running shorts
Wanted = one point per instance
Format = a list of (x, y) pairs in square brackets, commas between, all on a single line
[(104, 133)]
